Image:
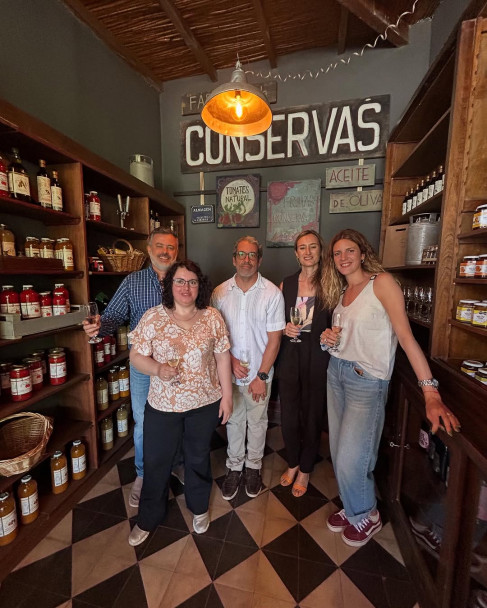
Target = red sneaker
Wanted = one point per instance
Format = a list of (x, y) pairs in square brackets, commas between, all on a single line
[(359, 534), (337, 522)]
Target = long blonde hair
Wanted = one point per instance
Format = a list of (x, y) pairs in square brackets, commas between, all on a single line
[(332, 281)]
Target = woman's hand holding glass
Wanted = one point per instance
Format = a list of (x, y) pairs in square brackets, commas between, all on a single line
[(292, 328), (92, 324), (331, 336)]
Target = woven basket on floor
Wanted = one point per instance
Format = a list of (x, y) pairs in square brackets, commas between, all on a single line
[(132, 260), (23, 438)]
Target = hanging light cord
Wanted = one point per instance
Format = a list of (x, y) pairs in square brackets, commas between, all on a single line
[(333, 66)]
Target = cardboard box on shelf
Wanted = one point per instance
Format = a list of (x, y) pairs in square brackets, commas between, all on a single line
[(395, 246)]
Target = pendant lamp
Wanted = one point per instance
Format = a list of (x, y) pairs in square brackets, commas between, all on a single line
[(237, 108)]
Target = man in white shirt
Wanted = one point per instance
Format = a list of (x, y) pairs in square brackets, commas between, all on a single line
[(253, 309)]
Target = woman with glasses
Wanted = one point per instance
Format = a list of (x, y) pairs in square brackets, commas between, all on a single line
[(302, 363), (183, 345)]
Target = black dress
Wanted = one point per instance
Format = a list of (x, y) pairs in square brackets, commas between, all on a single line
[(301, 372)]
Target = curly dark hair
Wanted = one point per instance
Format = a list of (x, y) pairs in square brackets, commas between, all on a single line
[(204, 287)]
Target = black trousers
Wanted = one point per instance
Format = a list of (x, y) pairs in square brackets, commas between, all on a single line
[(163, 432), (302, 396)]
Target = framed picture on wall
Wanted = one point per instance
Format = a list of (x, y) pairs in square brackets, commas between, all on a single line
[(291, 208), (238, 201)]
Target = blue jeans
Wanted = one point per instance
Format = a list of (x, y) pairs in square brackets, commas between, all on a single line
[(139, 389), (356, 403)]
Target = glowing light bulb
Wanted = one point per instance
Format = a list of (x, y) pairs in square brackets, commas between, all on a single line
[(238, 106)]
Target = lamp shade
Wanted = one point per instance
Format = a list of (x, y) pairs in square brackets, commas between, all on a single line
[(237, 108)]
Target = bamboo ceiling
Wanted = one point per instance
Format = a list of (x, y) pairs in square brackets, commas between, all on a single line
[(168, 39)]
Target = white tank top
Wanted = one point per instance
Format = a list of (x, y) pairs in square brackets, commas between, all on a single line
[(367, 336)]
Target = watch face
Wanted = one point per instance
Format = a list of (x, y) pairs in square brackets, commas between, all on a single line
[(263, 376)]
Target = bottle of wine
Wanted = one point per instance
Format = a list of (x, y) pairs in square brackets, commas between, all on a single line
[(18, 180), (43, 185), (56, 193)]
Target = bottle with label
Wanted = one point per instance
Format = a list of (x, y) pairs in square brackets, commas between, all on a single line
[(59, 472), (113, 385), (431, 191), (440, 180), (61, 290), (426, 189), (78, 460), (46, 248), (95, 206), (122, 421), (3, 178), (99, 354), (30, 303), (9, 300), (101, 386), (173, 227), (124, 381), (43, 186), (59, 305), (64, 251), (46, 304), (151, 220), (8, 519), (56, 193), (18, 180), (122, 339), (28, 499), (107, 349), (106, 428), (32, 247), (157, 221), (57, 368), (7, 241)]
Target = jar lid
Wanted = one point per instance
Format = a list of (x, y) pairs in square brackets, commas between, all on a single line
[(38, 353), (5, 365), (4, 496), (77, 442), (122, 367), (56, 350), (5, 287), (31, 238), (24, 287), (483, 255), (484, 206), (470, 257), (482, 370), (46, 239), (62, 240), (26, 478), (44, 293), (472, 363), (93, 192), (469, 301), (18, 366), (481, 304), (58, 284), (56, 454), (28, 360)]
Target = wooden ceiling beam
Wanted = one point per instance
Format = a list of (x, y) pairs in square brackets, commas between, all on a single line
[(342, 30), (189, 38), (266, 34), (82, 13), (378, 20)]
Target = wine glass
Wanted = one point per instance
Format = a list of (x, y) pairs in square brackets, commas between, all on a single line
[(295, 316), (92, 313), (336, 325), (245, 358), (173, 358)]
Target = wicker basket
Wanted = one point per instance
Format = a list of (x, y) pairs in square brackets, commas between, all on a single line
[(123, 262), (23, 438)]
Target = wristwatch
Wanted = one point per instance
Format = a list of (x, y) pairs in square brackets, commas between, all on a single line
[(263, 376), (430, 382)]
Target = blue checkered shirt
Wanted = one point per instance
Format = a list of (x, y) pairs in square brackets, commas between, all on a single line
[(137, 293)]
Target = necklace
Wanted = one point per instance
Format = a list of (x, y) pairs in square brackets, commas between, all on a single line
[(173, 313)]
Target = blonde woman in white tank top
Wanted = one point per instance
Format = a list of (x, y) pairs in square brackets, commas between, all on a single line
[(374, 320)]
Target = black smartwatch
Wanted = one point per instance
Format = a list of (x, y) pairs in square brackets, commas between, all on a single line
[(263, 376)]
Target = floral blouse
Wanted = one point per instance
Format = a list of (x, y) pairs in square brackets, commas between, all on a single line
[(155, 336)]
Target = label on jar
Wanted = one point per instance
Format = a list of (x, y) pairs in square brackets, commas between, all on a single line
[(57, 198), (29, 504), (66, 255), (102, 395), (20, 386), (60, 477), (46, 311), (122, 425), (31, 310), (113, 387), (107, 348), (95, 209), (18, 183), (469, 372), (44, 190), (123, 384), (107, 435), (99, 356), (479, 316), (59, 309), (36, 375), (47, 252), (79, 464), (464, 313), (32, 251), (8, 248), (467, 268), (57, 370), (8, 523), (481, 379)]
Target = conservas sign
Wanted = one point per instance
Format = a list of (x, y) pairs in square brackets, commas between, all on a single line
[(299, 135)]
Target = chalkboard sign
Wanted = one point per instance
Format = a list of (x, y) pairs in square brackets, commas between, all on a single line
[(203, 214)]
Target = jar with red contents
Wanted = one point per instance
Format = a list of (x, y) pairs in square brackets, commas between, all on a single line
[(94, 206), (57, 368), (99, 353), (9, 300), (5, 380), (35, 368), (30, 303), (107, 349), (20, 383), (42, 356), (46, 304), (3, 178), (61, 290), (59, 306)]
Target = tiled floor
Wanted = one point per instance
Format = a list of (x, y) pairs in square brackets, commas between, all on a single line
[(273, 551)]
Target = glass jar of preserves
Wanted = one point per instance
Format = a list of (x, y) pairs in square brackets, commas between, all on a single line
[(7, 241), (32, 247), (467, 266), (6, 391), (479, 315), (56, 350), (469, 367), (465, 310), (113, 385), (59, 306), (59, 472), (30, 303), (9, 300), (122, 421), (63, 250), (46, 304), (480, 217), (99, 351), (481, 375), (46, 248), (78, 459), (107, 349), (481, 267), (8, 519), (124, 381), (28, 499), (122, 339), (60, 289), (57, 368), (20, 383), (101, 386), (106, 428), (42, 356), (94, 206), (35, 368)]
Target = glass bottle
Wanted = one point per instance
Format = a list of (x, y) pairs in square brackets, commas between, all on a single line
[(101, 386), (60, 289), (432, 185), (106, 428), (28, 499), (113, 385), (43, 185), (122, 421), (78, 459), (94, 206), (8, 519), (439, 180), (124, 381), (30, 303), (157, 221), (173, 227), (18, 180), (3, 178), (59, 472), (9, 300), (7, 241), (56, 193)]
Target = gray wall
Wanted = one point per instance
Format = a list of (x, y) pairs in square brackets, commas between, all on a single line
[(389, 71), (53, 67), (444, 19)]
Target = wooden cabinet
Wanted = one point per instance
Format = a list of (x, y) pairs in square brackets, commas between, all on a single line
[(434, 484), (72, 404)]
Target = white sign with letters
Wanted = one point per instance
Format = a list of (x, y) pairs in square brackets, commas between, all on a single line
[(350, 202)]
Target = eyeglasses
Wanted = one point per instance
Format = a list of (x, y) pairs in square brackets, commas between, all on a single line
[(182, 282), (241, 255)]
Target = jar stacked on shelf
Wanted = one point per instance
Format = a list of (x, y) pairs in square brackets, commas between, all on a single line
[(32, 304)]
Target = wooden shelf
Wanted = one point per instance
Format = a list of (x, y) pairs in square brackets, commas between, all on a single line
[(411, 267), (119, 357), (432, 205), (107, 273), (124, 233), (469, 328), (12, 407), (47, 216), (38, 335), (474, 235), (114, 405), (455, 364), (461, 281)]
